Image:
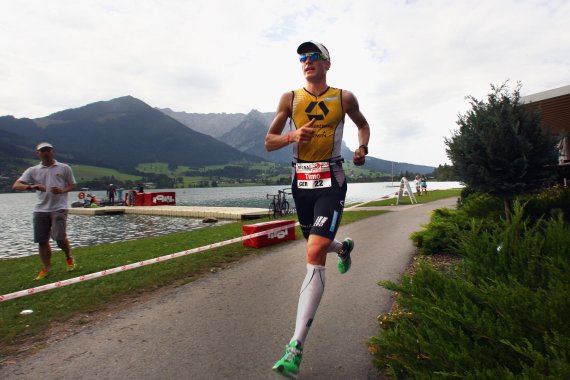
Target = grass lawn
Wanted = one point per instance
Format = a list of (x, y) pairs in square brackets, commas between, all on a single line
[(60, 305)]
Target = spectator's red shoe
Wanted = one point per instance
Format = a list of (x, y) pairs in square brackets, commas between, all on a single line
[(43, 274), (70, 264)]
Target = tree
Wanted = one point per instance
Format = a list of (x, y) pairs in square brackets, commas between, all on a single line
[(500, 147), (445, 173)]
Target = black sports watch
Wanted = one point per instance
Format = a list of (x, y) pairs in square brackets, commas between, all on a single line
[(365, 148)]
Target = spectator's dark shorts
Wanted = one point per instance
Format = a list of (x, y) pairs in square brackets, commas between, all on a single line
[(320, 210), (50, 223)]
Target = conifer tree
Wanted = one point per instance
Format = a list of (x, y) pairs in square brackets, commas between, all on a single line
[(500, 147)]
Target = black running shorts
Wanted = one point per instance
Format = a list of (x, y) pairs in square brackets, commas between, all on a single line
[(320, 210)]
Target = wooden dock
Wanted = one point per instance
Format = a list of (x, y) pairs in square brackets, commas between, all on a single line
[(232, 213)]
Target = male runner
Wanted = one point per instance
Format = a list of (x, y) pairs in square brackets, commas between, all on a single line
[(316, 113)]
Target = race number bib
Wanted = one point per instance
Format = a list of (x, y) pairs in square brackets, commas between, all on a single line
[(313, 175)]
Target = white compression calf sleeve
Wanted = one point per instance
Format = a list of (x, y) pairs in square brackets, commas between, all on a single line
[(309, 299), (335, 246)]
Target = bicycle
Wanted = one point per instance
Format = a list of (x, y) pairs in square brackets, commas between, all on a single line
[(279, 205)]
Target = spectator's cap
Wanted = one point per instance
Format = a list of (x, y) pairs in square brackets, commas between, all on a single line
[(313, 46), (110, 184), (44, 145)]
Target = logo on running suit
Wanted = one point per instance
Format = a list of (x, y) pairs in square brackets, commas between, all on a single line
[(312, 106), (321, 220)]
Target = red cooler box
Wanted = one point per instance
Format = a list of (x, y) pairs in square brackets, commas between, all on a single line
[(285, 234)]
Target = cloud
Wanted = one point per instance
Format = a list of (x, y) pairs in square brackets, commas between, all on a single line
[(410, 63)]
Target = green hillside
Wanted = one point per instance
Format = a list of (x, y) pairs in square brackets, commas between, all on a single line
[(87, 173)]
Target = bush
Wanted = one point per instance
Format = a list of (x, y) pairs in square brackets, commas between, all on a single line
[(482, 205), (441, 233), (502, 314), (547, 203), (439, 237), (446, 224)]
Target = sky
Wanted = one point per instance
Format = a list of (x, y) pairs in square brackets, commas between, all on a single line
[(411, 64)]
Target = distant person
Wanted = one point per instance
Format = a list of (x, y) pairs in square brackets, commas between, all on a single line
[(131, 194), (418, 185), (140, 188), (111, 194), (424, 184), (93, 202), (317, 114), (52, 180)]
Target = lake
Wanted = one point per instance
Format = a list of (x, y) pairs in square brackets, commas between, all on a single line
[(16, 216)]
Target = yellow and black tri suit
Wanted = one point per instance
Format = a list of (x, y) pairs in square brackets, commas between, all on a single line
[(320, 210), (327, 111)]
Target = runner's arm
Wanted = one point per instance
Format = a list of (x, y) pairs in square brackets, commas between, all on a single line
[(274, 140), (352, 108)]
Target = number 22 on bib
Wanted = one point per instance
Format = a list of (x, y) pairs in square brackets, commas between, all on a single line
[(313, 175)]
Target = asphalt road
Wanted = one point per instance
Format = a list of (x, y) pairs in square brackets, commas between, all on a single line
[(234, 324)]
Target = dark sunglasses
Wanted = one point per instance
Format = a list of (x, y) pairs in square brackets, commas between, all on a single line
[(312, 56), (46, 149)]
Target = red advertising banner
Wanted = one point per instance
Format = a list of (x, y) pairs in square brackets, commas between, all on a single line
[(167, 198)]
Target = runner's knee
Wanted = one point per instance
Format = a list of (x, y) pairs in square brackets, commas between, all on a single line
[(317, 250)]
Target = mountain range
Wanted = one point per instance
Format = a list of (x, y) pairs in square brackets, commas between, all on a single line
[(124, 132), (248, 135), (120, 134)]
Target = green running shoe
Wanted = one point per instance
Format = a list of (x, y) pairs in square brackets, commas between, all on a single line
[(289, 364), (343, 262)]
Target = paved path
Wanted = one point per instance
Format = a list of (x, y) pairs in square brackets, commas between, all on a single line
[(234, 323)]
